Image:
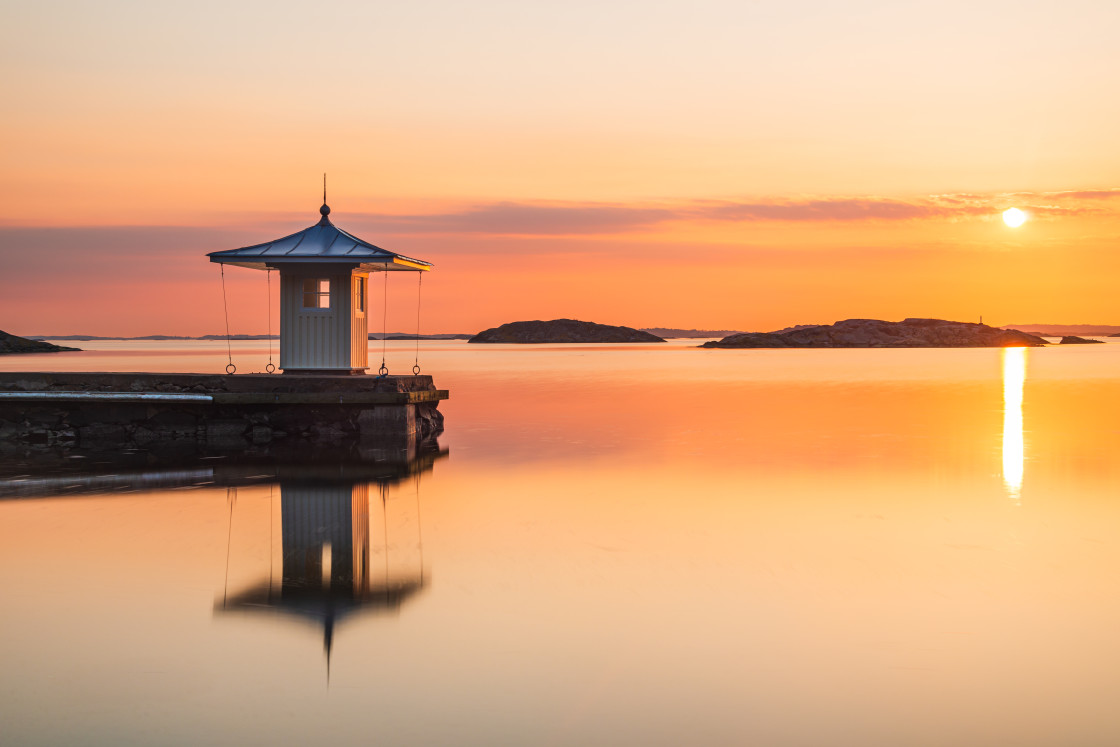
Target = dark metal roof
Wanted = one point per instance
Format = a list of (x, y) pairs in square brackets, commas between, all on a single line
[(322, 243)]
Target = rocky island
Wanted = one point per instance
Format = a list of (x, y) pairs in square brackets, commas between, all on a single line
[(875, 333), (10, 344), (1075, 340), (561, 331)]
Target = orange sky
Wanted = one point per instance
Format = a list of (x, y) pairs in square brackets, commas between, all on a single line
[(698, 164)]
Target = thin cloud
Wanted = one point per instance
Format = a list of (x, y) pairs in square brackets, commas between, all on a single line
[(123, 251), (853, 209), (1086, 194), (531, 219), (588, 219)]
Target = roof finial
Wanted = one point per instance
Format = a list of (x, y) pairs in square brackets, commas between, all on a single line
[(325, 210)]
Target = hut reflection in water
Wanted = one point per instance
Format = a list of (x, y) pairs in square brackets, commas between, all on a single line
[(329, 570)]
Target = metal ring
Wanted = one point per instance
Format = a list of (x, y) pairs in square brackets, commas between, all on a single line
[(382, 371), (270, 368), (231, 369), (416, 370)]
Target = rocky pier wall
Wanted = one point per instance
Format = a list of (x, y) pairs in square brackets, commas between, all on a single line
[(215, 412)]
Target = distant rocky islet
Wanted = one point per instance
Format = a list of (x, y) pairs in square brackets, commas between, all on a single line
[(13, 344), (561, 331), (876, 333)]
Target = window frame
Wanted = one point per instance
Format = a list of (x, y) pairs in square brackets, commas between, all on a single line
[(319, 291), (360, 295)]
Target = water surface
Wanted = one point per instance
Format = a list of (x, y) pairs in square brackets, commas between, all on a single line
[(622, 545)]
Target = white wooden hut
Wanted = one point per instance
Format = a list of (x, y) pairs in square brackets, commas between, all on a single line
[(324, 293)]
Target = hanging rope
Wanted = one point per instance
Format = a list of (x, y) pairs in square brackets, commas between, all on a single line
[(271, 520), (419, 529), (383, 371), (230, 369), (383, 488), (270, 368), (231, 498), (419, 284)]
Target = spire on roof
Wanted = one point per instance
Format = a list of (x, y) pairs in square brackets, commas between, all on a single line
[(325, 210)]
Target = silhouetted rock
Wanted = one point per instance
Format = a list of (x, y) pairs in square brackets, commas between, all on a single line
[(1075, 340), (794, 328), (423, 337), (1060, 330), (875, 333), (668, 332), (562, 330), (13, 344)]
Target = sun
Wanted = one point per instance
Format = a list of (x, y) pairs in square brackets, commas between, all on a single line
[(1014, 217)]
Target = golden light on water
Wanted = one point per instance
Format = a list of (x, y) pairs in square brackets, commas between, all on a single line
[(1014, 374), (1014, 217)]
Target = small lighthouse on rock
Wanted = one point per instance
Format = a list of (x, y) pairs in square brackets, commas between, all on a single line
[(324, 293)]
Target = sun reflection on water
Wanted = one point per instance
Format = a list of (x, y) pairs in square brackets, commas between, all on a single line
[(1014, 374)]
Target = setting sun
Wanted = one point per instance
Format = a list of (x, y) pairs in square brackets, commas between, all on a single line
[(1014, 217)]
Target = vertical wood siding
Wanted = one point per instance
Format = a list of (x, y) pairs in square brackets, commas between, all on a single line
[(317, 338)]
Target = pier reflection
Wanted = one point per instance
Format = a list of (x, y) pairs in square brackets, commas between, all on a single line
[(343, 532), (47, 472), (1014, 376)]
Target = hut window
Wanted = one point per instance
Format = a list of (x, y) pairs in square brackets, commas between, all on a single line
[(316, 293), (360, 294)]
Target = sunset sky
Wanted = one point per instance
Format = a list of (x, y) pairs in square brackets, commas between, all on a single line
[(704, 164)]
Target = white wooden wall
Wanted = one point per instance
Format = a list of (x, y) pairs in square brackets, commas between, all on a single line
[(329, 339)]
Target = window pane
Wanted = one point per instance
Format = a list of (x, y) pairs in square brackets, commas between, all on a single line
[(316, 293)]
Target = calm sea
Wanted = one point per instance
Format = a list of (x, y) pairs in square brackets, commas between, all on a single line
[(623, 545)]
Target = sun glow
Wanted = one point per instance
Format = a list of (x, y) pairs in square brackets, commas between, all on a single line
[(1014, 217), (1014, 374)]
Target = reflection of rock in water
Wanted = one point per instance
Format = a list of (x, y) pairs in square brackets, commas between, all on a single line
[(326, 575)]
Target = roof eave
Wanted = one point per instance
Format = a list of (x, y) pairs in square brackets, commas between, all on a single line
[(394, 264), (413, 264)]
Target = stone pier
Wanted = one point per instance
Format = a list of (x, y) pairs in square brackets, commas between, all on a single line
[(225, 412)]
